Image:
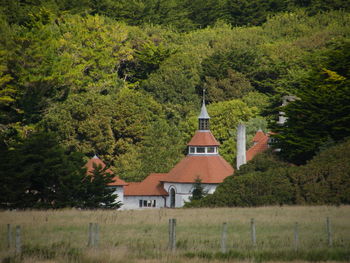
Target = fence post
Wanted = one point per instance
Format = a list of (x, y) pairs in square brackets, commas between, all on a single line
[(18, 244), (329, 232), (90, 238), (296, 236), (172, 234), (253, 233), (224, 238), (9, 236), (96, 235)]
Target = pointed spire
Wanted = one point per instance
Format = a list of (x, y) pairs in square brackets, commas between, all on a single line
[(203, 118), (204, 113), (95, 157)]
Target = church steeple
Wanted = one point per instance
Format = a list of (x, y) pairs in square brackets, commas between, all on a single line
[(203, 118)]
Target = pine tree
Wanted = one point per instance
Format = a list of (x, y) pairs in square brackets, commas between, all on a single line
[(198, 190), (97, 194), (321, 112)]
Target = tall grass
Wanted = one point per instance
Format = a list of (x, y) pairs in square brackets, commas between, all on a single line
[(142, 236)]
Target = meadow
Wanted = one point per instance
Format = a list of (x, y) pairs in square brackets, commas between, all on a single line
[(142, 236)]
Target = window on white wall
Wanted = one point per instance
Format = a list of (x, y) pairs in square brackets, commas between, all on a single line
[(200, 149), (147, 203)]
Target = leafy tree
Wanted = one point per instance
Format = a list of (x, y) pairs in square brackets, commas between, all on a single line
[(161, 149), (233, 87), (253, 12), (326, 178), (224, 119), (175, 81), (262, 181), (93, 122), (321, 110), (146, 61)]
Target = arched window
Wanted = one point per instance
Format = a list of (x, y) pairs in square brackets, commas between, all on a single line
[(172, 198)]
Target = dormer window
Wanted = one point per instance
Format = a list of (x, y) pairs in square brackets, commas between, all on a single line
[(200, 150)]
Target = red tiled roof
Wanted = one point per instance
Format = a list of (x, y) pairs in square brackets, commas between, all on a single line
[(97, 161), (203, 138), (118, 182), (211, 169), (260, 135), (150, 186), (261, 145)]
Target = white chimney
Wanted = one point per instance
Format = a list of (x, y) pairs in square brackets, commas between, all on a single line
[(241, 150)]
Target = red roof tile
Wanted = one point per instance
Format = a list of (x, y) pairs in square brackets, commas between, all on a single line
[(203, 138), (97, 161), (150, 186), (211, 169), (260, 135), (260, 146)]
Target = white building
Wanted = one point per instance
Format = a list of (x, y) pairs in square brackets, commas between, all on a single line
[(173, 189)]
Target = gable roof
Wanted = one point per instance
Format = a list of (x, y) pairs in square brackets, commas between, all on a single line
[(150, 186), (97, 161), (203, 138), (260, 135), (261, 144), (211, 170)]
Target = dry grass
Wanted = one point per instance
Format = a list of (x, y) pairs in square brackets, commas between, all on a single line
[(142, 236)]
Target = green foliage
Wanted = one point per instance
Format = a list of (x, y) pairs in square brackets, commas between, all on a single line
[(235, 85), (146, 61), (268, 181), (96, 193), (326, 178), (198, 190), (92, 122), (224, 118), (39, 173), (321, 111), (122, 79), (260, 182), (175, 81)]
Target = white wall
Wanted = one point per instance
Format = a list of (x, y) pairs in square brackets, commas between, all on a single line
[(132, 202), (119, 190), (183, 191)]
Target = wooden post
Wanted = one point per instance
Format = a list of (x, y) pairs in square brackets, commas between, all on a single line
[(172, 234), (253, 233), (96, 235), (90, 238), (9, 236), (18, 244), (329, 232), (296, 236), (224, 238)]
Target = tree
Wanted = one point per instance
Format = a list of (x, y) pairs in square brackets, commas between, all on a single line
[(263, 181), (198, 191), (96, 193), (326, 178), (40, 173), (321, 111)]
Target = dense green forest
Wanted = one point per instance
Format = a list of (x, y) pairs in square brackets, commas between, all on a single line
[(123, 79)]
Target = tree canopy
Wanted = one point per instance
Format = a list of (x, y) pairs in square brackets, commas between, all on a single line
[(124, 79)]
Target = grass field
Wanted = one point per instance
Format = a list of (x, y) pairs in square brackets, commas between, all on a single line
[(142, 236)]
